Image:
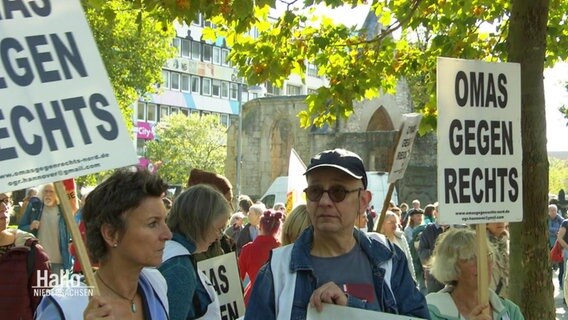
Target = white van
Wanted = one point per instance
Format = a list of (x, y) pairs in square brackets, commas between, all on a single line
[(378, 185)]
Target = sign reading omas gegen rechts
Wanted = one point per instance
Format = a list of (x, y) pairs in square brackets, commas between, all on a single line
[(58, 114), (479, 141)]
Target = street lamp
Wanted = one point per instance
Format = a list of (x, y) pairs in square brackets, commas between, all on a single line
[(256, 89)]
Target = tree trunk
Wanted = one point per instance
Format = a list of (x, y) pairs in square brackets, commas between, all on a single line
[(531, 277)]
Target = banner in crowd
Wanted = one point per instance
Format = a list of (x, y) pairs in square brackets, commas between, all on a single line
[(408, 130), (223, 273), (480, 178), (296, 182), (58, 115)]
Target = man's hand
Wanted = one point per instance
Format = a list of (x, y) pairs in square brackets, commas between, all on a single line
[(34, 225), (328, 293)]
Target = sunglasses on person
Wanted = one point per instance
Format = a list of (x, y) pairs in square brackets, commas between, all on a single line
[(335, 193)]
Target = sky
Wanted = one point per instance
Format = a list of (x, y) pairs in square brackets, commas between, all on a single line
[(555, 80)]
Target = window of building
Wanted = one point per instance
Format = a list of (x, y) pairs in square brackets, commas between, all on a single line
[(207, 52), (198, 21), (206, 86), (225, 90), (225, 57), (174, 110), (234, 91), (216, 55), (271, 90), (164, 112), (224, 119), (312, 70), (195, 50), (175, 81), (176, 43), (184, 111), (194, 111), (151, 112), (216, 88), (209, 24), (310, 91), (293, 90), (195, 84), (185, 48), (141, 111), (140, 147), (166, 79), (185, 83)]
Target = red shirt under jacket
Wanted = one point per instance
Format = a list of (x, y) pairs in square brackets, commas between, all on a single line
[(253, 256)]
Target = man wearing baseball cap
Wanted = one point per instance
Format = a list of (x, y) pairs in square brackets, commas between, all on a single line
[(332, 262)]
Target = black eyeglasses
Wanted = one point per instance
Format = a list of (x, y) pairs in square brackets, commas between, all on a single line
[(335, 193)]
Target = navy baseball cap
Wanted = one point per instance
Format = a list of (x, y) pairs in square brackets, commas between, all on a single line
[(341, 159)]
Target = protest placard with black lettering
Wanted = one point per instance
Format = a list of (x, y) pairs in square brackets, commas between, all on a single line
[(58, 114), (223, 273), (479, 141)]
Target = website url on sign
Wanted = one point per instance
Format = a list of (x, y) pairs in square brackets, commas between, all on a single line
[(482, 216), (54, 170)]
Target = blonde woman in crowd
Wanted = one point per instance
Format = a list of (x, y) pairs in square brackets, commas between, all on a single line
[(454, 263), (296, 222)]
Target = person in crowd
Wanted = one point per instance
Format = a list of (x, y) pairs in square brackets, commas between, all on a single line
[(46, 221), (416, 204), (454, 262), (281, 206), (554, 224), (331, 261), (250, 230), (403, 208), (126, 232), (255, 254), (225, 244), (392, 232), (563, 240), (499, 238), (22, 260), (362, 222), (31, 195), (372, 218), (426, 248), (82, 230), (235, 226), (429, 214), (197, 219), (396, 210), (298, 220), (414, 220)]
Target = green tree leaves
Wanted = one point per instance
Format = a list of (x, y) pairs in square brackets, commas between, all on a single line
[(187, 142)]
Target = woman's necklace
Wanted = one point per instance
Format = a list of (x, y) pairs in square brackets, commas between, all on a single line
[(132, 304)]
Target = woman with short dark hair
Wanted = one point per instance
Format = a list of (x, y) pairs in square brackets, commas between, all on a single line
[(126, 231)]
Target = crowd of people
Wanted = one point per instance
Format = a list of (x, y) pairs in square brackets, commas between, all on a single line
[(144, 251)]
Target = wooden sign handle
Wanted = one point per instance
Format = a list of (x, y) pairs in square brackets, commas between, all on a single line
[(482, 256), (386, 204), (76, 236)]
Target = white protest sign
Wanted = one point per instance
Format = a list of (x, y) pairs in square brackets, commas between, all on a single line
[(410, 124), (223, 273), (58, 114), (479, 141), (335, 312)]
